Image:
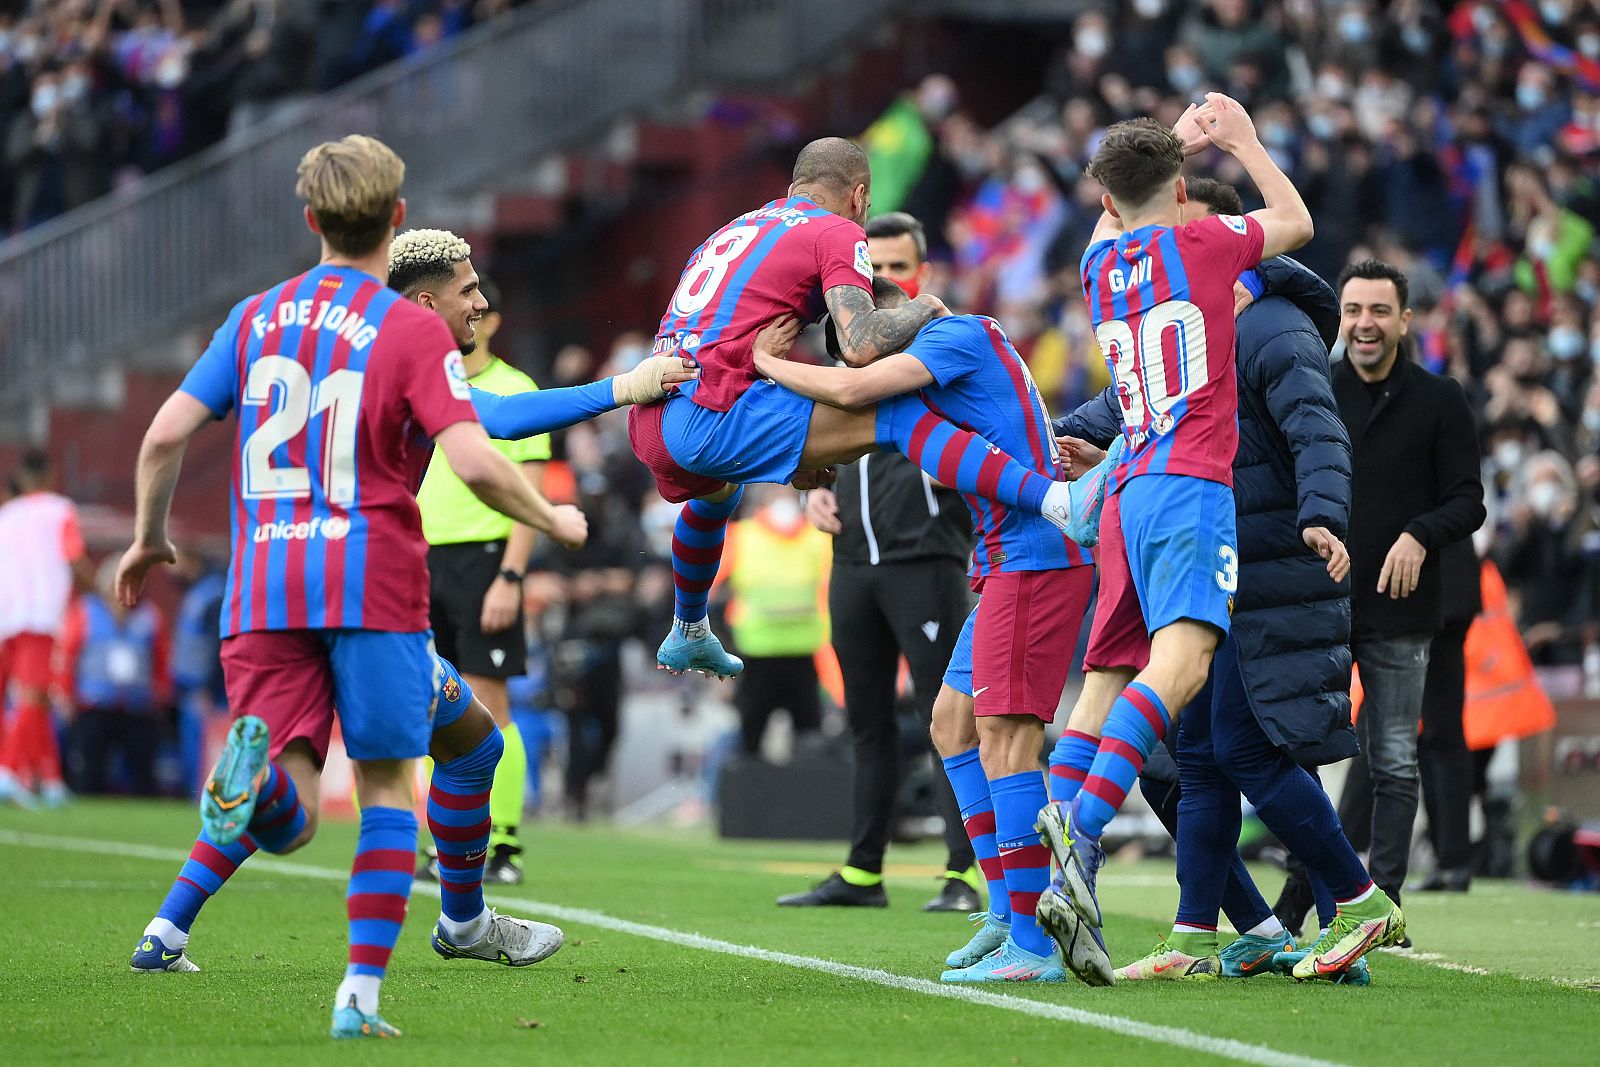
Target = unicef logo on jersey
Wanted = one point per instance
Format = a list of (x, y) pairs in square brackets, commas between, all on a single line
[(333, 528)]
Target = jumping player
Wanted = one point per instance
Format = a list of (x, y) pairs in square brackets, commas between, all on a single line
[(1160, 292), (801, 255), (1035, 584), (339, 384)]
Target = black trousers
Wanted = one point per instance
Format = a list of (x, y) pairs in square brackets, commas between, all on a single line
[(97, 732), (588, 690), (879, 613), (772, 682), (1443, 762)]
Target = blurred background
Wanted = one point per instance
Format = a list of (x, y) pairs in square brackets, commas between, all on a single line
[(585, 147)]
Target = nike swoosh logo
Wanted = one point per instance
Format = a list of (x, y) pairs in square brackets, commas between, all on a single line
[(976, 693), (168, 957), (1259, 959), (1162, 968)]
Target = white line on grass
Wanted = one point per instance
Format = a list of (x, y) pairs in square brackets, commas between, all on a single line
[(1187, 1040)]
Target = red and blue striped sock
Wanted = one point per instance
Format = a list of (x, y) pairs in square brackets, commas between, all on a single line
[(697, 553), (458, 818), (955, 457), (977, 815), (1070, 761), (1137, 724), (209, 865), (279, 817), (380, 886), (1017, 800)]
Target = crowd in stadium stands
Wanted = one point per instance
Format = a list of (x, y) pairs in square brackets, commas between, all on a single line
[(95, 92), (1458, 140)]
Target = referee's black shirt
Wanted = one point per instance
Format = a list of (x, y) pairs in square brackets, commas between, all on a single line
[(891, 513)]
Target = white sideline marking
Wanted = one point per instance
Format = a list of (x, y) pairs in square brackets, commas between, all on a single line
[(1187, 1040)]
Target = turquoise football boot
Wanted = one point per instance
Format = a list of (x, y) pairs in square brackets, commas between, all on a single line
[(228, 799), (678, 654)]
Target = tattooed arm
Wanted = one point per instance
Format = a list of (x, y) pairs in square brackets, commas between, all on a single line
[(867, 332)]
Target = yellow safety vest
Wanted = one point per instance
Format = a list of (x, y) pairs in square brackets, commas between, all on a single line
[(777, 579)]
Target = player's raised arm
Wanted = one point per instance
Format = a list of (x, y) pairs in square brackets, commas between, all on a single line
[(1285, 221), (156, 478), (495, 480), (835, 386)]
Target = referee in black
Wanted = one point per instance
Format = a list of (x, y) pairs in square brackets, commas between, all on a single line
[(898, 587)]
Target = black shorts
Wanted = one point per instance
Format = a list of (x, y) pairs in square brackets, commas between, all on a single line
[(460, 575)]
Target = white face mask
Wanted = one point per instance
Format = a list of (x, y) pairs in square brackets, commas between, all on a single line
[(1530, 97), (44, 99), (1566, 342), (784, 511), (1185, 77), (1093, 43), (1029, 180), (1149, 9), (1507, 454), (1543, 497), (1332, 86)]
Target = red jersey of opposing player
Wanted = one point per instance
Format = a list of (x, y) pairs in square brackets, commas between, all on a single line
[(777, 260), (1161, 299)]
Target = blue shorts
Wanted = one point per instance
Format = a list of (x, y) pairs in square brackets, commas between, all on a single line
[(759, 439), (958, 675), (1180, 541), (455, 695)]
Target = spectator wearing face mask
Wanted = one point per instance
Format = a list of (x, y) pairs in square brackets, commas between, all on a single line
[(1544, 560)]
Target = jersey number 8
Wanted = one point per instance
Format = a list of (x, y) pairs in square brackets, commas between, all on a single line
[(338, 394), (1140, 367), (703, 276)]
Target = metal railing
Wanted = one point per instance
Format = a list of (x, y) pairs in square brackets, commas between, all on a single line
[(85, 290)]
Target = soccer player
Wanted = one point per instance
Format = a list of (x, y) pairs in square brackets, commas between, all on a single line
[(42, 543), (1035, 584), (1160, 292), (1282, 703), (339, 384), (800, 255), (465, 745), (476, 556)]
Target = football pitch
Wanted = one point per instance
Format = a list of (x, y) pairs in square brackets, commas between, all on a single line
[(676, 954)]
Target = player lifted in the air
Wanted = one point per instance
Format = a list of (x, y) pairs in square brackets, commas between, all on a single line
[(1011, 664), (1158, 277), (803, 255), (341, 388)]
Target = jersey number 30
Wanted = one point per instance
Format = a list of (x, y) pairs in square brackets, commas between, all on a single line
[(702, 278), (338, 394), (1141, 366)]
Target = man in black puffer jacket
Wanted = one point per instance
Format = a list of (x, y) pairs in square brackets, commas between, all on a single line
[(1291, 621)]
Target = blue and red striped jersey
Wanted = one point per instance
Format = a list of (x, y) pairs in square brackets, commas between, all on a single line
[(340, 385), (777, 260), (982, 385), (1161, 299)]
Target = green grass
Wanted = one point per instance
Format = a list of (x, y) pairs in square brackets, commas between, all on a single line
[(272, 945)]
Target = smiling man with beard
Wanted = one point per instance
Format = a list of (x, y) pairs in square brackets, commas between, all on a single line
[(1415, 490)]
